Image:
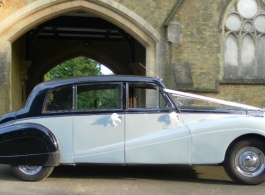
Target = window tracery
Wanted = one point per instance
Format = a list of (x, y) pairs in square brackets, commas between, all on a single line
[(244, 47)]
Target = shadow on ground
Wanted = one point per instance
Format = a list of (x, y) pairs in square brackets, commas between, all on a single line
[(152, 172)]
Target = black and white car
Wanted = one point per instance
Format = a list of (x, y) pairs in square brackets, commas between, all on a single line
[(130, 120)]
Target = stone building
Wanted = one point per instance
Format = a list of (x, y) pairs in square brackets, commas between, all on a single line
[(210, 47)]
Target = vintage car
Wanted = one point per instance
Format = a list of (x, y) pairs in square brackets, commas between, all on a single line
[(130, 120)]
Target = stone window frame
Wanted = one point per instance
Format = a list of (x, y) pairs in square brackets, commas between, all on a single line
[(231, 8)]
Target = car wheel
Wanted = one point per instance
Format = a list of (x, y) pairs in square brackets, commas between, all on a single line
[(245, 162), (31, 173)]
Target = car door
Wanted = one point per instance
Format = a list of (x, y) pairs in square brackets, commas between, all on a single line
[(98, 124), (154, 131)]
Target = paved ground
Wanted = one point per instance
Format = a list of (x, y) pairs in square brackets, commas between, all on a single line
[(123, 180)]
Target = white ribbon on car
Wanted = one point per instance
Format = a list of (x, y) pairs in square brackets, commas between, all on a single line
[(115, 119), (175, 117)]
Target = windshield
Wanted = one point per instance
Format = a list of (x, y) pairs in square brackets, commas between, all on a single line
[(191, 101)]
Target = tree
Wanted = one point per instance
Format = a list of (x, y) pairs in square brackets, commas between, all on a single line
[(87, 98), (80, 66)]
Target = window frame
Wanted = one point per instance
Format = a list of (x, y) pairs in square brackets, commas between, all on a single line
[(44, 106), (101, 110), (74, 99), (159, 89)]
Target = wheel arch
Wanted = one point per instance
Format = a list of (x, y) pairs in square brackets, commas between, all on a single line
[(243, 137), (28, 143)]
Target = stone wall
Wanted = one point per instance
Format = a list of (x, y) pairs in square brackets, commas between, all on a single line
[(253, 95), (5, 72), (4, 75), (10, 6), (200, 41), (18, 66), (153, 11)]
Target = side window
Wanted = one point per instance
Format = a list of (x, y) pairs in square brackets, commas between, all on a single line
[(59, 99), (146, 95), (99, 96)]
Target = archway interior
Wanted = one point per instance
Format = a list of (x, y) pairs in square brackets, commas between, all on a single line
[(79, 34)]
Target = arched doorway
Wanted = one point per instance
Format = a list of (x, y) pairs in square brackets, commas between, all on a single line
[(78, 33), (37, 13)]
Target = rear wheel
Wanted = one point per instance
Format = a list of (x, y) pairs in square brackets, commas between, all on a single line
[(245, 162), (31, 173)]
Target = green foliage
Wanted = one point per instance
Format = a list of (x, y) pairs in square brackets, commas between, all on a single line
[(80, 66), (88, 96), (98, 96), (96, 99)]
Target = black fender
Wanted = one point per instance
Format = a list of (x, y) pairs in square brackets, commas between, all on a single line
[(28, 144)]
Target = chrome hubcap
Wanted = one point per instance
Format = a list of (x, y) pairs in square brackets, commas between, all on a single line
[(250, 161), (30, 170)]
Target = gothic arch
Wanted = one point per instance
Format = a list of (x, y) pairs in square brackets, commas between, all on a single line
[(38, 12), (228, 3)]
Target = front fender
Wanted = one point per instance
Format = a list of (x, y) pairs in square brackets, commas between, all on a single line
[(28, 144)]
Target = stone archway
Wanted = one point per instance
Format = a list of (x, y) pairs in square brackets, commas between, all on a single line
[(38, 12)]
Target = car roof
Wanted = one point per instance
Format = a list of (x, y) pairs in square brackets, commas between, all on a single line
[(33, 106), (100, 78)]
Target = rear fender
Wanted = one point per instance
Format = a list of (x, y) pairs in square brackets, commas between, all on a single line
[(28, 144)]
